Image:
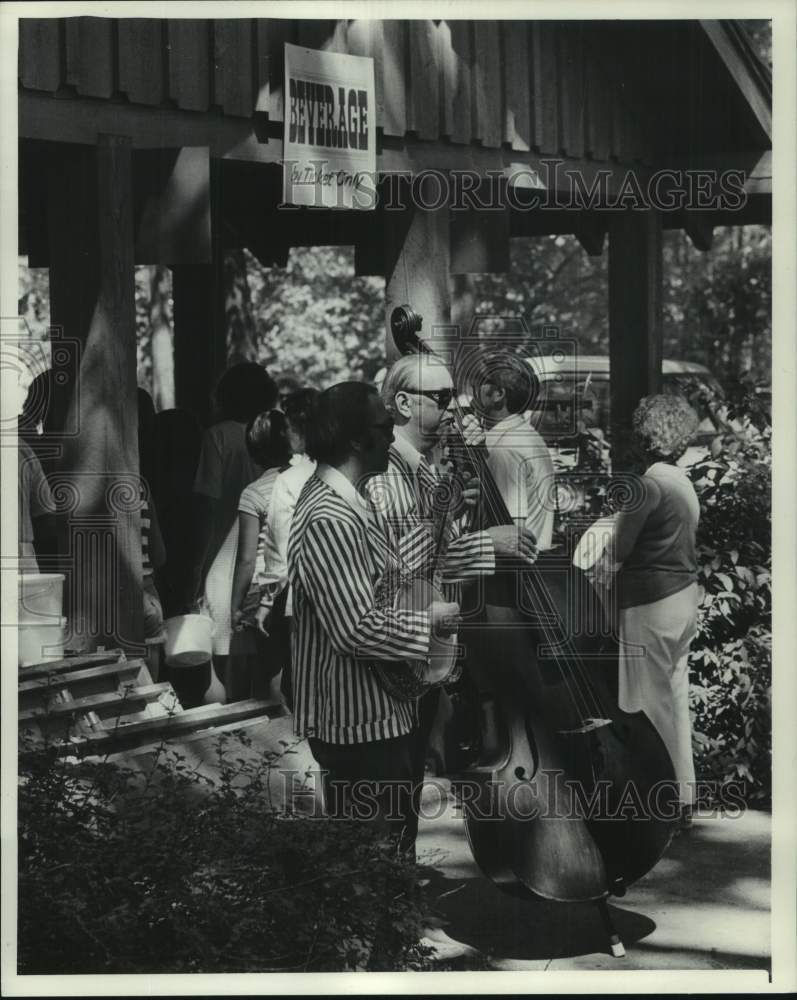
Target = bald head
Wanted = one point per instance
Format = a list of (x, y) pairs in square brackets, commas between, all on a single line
[(413, 372), (417, 392)]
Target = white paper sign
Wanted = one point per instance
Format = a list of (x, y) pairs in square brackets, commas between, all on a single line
[(330, 130)]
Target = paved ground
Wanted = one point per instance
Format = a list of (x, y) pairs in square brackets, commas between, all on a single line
[(704, 906)]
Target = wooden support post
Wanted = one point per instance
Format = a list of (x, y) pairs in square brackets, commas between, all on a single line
[(92, 300), (200, 334), (417, 272), (700, 229), (635, 320), (200, 327), (479, 241)]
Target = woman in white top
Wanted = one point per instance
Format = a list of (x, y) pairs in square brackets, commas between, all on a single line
[(253, 663), (275, 612)]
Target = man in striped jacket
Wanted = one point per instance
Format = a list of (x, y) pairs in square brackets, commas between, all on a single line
[(418, 393), (341, 550)]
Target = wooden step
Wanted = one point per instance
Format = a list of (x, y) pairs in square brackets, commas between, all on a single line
[(299, 791), (116, 738), (70, 663), (93, 680), (66, 719)]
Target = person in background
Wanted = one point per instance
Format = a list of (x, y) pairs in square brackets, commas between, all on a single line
[(655, 540), (153, 552), (36, 510), (287, 385), (518, 458), (275, 613), (225, 468), (254, 660), (178, 438), (36, 505)]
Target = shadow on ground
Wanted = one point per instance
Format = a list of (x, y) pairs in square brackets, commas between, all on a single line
[(478, 914), (704, 906)]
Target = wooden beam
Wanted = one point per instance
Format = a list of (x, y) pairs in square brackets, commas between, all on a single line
[(54, 668), (700, 229), (40, 62), (200, 336), (479, 240), (137, 733), (758, 102), (172, 205), (189, 69), (590, 231), (90, 222), (635, 320), (416, 272)]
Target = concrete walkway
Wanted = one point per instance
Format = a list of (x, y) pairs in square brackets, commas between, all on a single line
[(704, 906)]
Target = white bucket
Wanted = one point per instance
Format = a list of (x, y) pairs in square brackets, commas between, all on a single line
[(41, 597), (38, 641), (188, 640)]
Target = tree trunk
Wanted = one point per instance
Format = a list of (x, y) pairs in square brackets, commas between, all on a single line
[(162, 344), (241, 339)]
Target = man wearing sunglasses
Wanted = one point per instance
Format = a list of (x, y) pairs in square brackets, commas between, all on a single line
[(418, 392)]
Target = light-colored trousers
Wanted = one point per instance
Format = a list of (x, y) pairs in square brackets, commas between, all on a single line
[(654, 674)]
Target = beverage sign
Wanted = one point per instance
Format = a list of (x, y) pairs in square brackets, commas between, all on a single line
[(329, 157)]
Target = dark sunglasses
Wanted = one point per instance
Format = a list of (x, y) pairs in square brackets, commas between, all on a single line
[(442, 397)]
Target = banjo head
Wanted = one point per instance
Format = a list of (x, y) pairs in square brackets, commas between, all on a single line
[(417, 595)]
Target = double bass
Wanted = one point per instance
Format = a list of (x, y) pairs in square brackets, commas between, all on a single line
[(571, 799)]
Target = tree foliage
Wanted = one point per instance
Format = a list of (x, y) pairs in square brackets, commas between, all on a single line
[(716, 305), (315, 319)]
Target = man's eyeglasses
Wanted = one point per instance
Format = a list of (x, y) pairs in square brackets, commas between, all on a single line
[(442, 397)]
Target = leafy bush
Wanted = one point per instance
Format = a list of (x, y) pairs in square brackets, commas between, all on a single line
[(731, 656), (126, 872)]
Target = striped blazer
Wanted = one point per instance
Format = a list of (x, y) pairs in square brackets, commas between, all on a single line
[(340, 551), (401, 494)]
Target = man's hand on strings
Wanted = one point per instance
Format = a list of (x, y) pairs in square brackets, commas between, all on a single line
[(471, 489), (471, 431), (512, 542)]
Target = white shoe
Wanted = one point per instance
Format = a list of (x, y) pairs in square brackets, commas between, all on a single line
[(445, 948)]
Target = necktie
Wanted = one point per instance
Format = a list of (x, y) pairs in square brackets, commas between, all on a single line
[(427, 484)]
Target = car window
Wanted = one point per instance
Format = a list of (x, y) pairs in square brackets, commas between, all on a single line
[(569, 404)]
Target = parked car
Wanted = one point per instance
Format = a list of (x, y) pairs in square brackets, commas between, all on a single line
[(572, 411)]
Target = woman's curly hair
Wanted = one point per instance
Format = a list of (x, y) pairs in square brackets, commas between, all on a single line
[(664, 425)]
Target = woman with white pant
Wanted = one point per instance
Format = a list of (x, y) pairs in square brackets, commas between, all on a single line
[(655, 540)]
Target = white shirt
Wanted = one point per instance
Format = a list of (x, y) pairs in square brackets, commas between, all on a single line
[(521, 465), (287, 487)]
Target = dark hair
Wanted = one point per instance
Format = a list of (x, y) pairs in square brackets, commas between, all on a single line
[(267, 440), (512, 374), (298, 406), (288, 383), (340, 416), (245, 390)]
